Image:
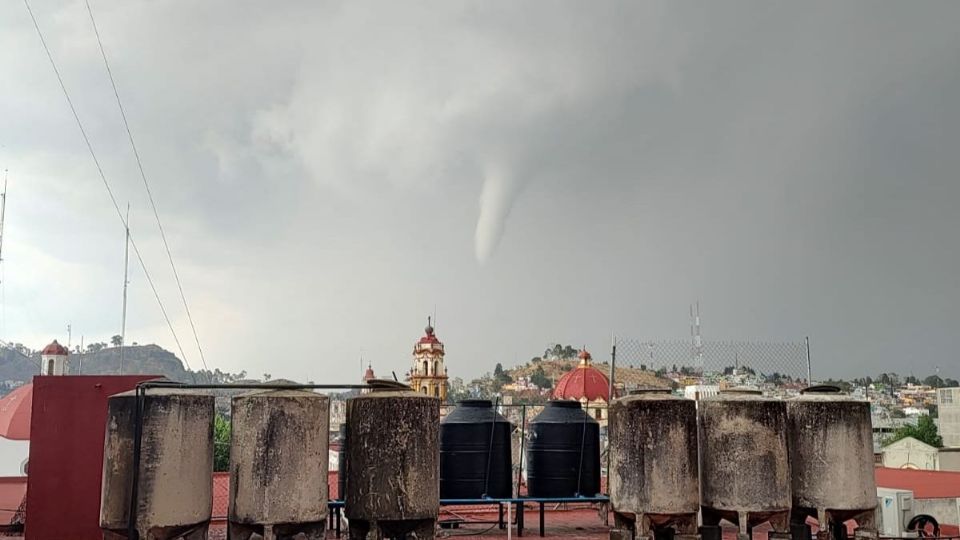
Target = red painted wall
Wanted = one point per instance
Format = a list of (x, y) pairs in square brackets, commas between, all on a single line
[(66, 454)]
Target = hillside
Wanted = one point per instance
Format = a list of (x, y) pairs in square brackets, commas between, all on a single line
[(139, 359), (555, 368)]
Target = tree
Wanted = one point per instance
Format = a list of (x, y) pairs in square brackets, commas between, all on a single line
[(539, 378), (266, 377), (934, 381), (221, 443), (116, 340), (950, 383), (498, 370), (924, 431)]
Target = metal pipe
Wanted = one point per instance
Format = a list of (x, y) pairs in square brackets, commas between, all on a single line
[(523, 431), (493, 426)]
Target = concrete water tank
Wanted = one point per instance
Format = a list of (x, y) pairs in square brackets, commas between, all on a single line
[(653, 463), (744, 466), (278, 465), (174, 494), (393, 463), (831, 456)]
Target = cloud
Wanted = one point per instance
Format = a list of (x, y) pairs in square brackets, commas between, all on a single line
[(334, 169)]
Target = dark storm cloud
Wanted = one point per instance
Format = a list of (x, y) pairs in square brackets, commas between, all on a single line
[(542, 171)]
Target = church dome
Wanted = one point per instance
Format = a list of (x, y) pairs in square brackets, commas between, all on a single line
[(584, 382), (55, 349), (368, 375)]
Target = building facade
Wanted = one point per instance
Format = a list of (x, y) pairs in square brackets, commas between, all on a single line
[(428, 374), (54, 359), (588, 385), (948, 414)]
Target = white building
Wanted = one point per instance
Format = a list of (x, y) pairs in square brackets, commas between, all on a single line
[(948, 414), (909, 453)]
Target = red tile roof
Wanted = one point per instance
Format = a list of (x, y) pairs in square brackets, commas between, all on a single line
[(55, 349), (924, 484)]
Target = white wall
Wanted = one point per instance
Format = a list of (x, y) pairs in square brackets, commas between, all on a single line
[(12, 456), (945, 511)]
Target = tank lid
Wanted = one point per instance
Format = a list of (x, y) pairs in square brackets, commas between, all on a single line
[(742, 391), (564, 404), (386, 385), (640, 391), (821, 389), (475, 403)]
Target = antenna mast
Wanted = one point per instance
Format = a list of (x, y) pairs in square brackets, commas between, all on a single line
[(697, 340), (126, 281)]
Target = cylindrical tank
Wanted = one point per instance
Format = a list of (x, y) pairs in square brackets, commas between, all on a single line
[(744, 467), (393, 462), (468, 450), (174, 491), (279, 448), (563, 439), (342, 463), (653, 458), (831, 453)]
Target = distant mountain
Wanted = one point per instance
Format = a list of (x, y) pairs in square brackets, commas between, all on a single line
[(20, 365), (14, 366), (137, 360)]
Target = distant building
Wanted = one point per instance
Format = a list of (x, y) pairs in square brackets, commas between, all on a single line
[(368, 376), (700, 391), (428, 374), (54, 359), (585, 384), (909, 453), (948, 414)]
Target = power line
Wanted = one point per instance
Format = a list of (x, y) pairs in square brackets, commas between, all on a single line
[(103, 177), (146, 185)]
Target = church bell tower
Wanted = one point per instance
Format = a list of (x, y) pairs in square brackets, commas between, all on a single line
[(428, 374)]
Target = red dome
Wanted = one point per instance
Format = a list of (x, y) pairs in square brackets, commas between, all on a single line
[(368, 375), (584, 355), (585, 381), (55, 349)]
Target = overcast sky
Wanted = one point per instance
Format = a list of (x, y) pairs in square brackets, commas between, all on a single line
[(329, 173)]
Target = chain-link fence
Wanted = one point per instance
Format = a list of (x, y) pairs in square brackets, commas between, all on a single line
[(759, 362)]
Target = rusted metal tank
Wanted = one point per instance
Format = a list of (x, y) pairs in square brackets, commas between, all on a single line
[(393, 463), (278, 465), (174, 493), (653, 463), (744, 466), (831, 455)]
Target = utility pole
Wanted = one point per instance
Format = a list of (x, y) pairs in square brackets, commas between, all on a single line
[(806, 342), (126, 281), (69, 335)]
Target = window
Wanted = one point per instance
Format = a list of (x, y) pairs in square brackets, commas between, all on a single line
[(436, 367), (50, 367), (599, 414), (946, 396), (436, 392), (424, 367), (424, 390)]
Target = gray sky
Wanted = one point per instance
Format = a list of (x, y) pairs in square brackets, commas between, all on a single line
[(328, 172)]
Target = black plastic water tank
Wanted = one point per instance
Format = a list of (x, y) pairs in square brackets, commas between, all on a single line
[(563, 439), (342, 463), (466, 450)]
